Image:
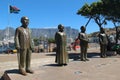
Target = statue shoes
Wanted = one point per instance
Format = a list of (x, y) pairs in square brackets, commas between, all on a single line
[(22, 72), (30, 71), (87, 59), (83, 60)]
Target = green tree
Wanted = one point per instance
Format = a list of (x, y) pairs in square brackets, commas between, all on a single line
[(51, 40), (112, 12), (36, 41), (94, 11), (102, 11)]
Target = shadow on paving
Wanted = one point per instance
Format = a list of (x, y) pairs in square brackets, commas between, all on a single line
[(76, 56), (93, 55), (50, 54), (53, 65), (13, 71)]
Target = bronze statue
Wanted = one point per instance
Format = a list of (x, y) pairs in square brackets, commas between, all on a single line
[(83, 43), (61, 53), (24, 46), (103, 39)]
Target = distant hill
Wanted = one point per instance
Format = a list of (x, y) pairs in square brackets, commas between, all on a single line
[(38, 32), (50, 32), (4, 33), (107, 30)]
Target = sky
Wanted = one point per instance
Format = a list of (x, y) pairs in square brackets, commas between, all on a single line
[(46, 14)]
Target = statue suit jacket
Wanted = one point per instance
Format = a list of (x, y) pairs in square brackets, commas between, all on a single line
[(21, 40)]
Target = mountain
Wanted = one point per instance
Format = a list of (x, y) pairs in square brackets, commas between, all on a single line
[(4, 32), (40, 32), (50, 32), (108, 31)]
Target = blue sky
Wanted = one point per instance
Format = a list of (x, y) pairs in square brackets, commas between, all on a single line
[(46, 14)]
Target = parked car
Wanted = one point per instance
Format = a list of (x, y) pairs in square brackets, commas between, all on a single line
[(10, 50)]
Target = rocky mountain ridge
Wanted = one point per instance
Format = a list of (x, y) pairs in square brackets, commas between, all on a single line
[(38, 32), (107, 30)]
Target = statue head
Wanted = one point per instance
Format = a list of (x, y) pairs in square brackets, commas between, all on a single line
[(102, 30), (24, 21), (61, 27), (83, 29)]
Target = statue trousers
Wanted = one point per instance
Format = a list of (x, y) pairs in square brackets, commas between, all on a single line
[(24, 58), (84, 51)]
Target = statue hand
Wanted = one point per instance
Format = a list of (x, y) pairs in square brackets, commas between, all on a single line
[(17, 48), (32, 49)]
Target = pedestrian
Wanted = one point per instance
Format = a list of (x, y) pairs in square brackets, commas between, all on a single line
[(111, 42), (24, 46), (118, 43), (103, 40), (83, 43), (61, 52)]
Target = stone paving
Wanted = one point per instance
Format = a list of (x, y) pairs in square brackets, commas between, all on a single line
[(46, 69)]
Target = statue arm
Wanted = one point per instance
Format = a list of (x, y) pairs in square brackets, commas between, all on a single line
[(56, 37), (16, 39), (31, 40), (100, 39), (81, 37)]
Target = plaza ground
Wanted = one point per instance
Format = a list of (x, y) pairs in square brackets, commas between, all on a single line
[(46, 69)]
